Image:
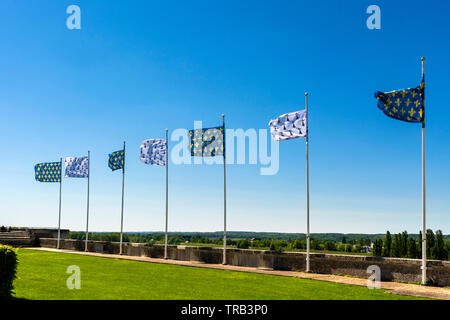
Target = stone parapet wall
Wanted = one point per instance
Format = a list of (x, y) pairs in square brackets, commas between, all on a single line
[(398, 269), (29, 237), (49, 233)]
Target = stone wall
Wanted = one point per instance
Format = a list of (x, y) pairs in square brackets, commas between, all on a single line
[(18, 238), (49, 233), (29, 237), (391, 268)]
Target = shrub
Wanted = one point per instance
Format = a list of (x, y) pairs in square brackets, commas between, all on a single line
[(348, 247), (8, 268)]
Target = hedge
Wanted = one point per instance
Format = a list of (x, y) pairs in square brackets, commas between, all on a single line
[(8, 268)]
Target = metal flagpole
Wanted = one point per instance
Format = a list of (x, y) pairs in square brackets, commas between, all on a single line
[(224, 197), (59, 219), (167, 193), (87, 214), (308, 248), (123, 186), (424, 229)]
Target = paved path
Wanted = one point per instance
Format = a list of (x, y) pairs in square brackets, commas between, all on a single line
[(392, 287)]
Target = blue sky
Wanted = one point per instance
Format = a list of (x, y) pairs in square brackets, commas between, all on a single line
[(138, 67)]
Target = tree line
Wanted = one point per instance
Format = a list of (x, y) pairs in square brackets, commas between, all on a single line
[(401, 245)]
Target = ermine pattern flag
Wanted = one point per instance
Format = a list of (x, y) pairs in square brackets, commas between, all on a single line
[(77, 167), (154, 152), (289, 126), (48, 172)]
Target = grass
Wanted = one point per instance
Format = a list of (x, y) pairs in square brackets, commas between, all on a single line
[(42, 275)]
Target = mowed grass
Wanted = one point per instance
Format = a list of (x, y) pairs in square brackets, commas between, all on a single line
[(42, 275)]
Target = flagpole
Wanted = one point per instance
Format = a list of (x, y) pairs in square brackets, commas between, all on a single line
[(308, 247), (59, 219), (167, 194), (424, 229), (87, 212), (224, 197), (123, 187)]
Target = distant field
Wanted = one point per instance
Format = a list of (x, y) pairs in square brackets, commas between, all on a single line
[(267, 248), (42, 275)]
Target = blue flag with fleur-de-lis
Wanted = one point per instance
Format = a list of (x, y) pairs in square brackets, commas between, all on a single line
[(116, 160), (208, 142), (406, 105), (48, 172)]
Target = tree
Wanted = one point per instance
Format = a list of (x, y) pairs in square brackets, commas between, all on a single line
[(439, 251), (283, 243), (387, 245), (412, 248), (330, 246), (404, 244), (272, 246), (315, 244), (419, 245), (340, 247), (430, 241), (396, 246), (377, 247), (297, 244), (243, 244), (448, 249)]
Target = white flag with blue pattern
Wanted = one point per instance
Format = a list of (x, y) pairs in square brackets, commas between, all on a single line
[(154, 152), (77, 167), (289, 126)]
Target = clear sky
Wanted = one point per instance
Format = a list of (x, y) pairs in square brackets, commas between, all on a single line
[(138, 67)]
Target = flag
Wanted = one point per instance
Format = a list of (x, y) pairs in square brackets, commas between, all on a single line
[(48, 172), (77, 167), (116, 160), (289, 126), (406, 105), (154, 152), (207, 142)]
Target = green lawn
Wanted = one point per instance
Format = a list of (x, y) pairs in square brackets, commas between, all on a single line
[(42, 275)]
